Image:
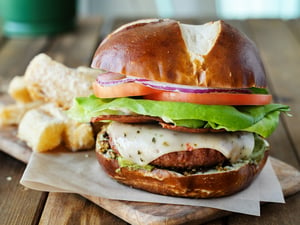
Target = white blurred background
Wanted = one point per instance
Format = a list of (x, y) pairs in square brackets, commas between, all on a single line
[(224, 9)]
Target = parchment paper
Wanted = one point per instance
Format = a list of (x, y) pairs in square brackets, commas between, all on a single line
[(80, 173)]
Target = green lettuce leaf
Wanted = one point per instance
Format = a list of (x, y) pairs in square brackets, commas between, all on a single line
[(257, 119)]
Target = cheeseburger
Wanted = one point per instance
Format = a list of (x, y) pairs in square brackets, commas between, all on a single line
[(184, 109)]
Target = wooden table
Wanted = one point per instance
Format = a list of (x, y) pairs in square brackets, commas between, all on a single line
[(279, 45)]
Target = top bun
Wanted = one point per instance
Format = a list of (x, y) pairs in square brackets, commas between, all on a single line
[(209, 55)]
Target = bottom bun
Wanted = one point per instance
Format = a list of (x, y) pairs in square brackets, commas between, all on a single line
[(165, 182)]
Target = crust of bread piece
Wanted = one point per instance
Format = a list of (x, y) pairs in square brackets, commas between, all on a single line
[(165, 182), (210, 55), (51, 81)]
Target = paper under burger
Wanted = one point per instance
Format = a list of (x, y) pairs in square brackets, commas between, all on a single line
[(184, 108)]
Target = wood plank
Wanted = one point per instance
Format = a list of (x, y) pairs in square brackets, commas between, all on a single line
[(18, 205), (16, 54), (242, 26), (281, 146), (283, 214), (294, 26), (280, 51), (77, 48), (158, 214), (76, 210)]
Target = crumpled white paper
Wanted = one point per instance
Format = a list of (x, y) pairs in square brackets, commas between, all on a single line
[(80, 173)]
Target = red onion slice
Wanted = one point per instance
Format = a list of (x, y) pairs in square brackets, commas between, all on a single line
[(111, 79), (189, 89)]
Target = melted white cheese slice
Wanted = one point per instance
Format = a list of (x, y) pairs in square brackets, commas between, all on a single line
[(144, 143)]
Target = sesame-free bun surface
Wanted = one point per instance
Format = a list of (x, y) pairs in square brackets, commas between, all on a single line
[(166, 182), (210, 55)]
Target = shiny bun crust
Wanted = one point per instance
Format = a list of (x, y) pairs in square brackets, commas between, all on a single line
[(164, 182), (168, 51)]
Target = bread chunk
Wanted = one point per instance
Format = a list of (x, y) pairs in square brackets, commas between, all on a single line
[(52, 81), (40, 130), (78, 136), (47, 126), (41, 95)]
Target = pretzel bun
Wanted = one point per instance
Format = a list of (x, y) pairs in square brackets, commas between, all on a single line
[(209, 55), (167, 182)]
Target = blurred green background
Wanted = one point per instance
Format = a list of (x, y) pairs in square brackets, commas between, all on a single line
[(229, 9), (50, 16), (35, 17)]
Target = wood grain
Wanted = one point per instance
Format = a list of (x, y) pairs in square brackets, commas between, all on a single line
[(22, 204), (18, 205), (76, 210), (272, 214), (16, 54), (76, 48), (139, 213)]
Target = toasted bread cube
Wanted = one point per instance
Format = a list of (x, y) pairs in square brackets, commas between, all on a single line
[(41, 131), (78, 136), (13, 113), (18, 91)]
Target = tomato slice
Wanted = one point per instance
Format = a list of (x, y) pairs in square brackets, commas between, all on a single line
[(122, 90), (212, 98)]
